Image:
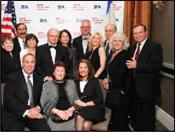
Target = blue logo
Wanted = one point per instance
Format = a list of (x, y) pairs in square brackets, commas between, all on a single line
[(43, 20), (97, 7), (60, 6), (78, 20), (117, 19), (24, 7)]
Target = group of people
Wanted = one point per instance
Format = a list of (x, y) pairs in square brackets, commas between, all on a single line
[(56, 86)]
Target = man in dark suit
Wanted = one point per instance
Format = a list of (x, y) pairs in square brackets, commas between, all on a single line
[(81, 42), (19, 41), (110, 29), (146, 63), (22, 99), (48, 54)]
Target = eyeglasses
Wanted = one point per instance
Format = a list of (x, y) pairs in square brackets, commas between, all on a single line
[(52, 36), (85, 27), (110, 31)]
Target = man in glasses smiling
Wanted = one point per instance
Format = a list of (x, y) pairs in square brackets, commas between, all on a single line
[(81, 42)]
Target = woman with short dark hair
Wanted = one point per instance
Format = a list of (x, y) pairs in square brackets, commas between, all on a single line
[(57, 99)]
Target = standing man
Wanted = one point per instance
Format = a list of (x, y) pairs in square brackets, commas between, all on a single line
[(19, 41), (22, 99), (146, 64), (110, 29), (81, 42), (48, 54)]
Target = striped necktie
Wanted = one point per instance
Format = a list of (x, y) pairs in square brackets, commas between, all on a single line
[(136, 57)]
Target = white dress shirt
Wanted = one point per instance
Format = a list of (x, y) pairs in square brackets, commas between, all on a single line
[(85, 43), (82, 85), (21, 43), (53, 53)]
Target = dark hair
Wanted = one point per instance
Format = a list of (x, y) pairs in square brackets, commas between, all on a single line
[(6, 37), (30, 36), (90, 67), (60, 64), (70, 37), (140, 24), (19, 25)]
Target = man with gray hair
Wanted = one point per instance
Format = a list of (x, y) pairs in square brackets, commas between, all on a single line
[(110, 29), (81, 42), (49, 53)]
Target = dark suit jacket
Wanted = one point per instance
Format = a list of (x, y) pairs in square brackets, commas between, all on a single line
[(107, 60), (16, 97), (77, 43), (44, 60), (9, 64), (119, 74), (147, 71), (17, 47)]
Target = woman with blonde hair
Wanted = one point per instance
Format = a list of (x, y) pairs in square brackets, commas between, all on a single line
[(98, 55)]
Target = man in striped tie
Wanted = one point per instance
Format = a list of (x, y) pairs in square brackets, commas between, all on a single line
[(146, 64)]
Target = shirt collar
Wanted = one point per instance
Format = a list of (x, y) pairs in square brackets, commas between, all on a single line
[(20, 39), (52, 45), (86, 36), (25, 74), (143, 42)]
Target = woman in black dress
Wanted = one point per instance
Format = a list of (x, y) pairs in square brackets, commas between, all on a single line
[(65, 39), (118, 82), (10, 62), (98, 55), (92, 106)]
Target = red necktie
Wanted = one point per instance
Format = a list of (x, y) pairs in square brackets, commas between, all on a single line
[(136, 57)]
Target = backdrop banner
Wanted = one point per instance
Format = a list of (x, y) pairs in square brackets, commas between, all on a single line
[(40, 16)]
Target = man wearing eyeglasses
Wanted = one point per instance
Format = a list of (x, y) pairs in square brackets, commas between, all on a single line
[(48, 54), (81, 42)]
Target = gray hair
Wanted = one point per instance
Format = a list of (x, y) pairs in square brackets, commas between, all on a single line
[(53, 29), (122, 37), (115, 27), (28, 55), (86, 20)]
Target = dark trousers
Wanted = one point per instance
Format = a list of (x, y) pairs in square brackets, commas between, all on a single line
[(32, 124), (119, 115), (145, 115)]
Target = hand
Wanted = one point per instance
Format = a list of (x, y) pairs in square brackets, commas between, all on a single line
[(49, 78), (34, 113), (62, 114), (69, 113), (105, 83), (80, 103), (131, 64)]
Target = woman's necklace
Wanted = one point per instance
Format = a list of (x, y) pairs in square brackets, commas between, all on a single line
[(59, 81)]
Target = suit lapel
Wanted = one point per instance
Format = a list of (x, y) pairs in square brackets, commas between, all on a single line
[(23, 81), (81, 45), (48, 53), (35, 83), (144, 48)]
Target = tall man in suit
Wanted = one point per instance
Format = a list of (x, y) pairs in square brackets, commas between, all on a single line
[(110, 29), (19, 41), (49, 53), (146, 63), (81, 42), (22, 99)]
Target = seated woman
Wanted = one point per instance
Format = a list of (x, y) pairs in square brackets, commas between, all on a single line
[(58, 98), (65, 39), (92, 106), (98, 55), (118, 82), (31, 41), (10, 62)]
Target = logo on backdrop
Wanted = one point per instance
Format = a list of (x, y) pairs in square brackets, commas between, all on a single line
[(78, 20), (43, 20), (25, 20), (3, 6), (78, 7), (97, 20), (97, 7), (42, 7), (115, 7), (42, 35), (61, 20), (117, 19), (61, 7), (24, 7)]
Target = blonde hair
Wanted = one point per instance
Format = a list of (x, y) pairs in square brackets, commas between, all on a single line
[(90, 40), (122, 37)]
